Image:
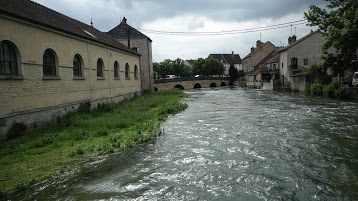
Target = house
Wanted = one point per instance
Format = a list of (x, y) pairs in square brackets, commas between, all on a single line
[(297, 59), (257, 55), (50, 64), (227, 60), (189, 62), (142, 44)]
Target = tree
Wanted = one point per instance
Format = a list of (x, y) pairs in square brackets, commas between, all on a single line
[(172, 67), (233, 73), (198, 66), (208, 67), (339, 25)]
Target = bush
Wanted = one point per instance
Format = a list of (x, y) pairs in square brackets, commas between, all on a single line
[(84, 108), (308, 89), (16, 130), (342, 92), (316, 89)]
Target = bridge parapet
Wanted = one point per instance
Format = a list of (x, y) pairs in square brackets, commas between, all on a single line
[(181, 79), (191, 82)]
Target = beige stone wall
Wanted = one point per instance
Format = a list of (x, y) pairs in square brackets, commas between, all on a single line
[(144, 47), (30, 98)]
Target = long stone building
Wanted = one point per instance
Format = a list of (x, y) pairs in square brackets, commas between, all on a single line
[(51, 63), (140, 43)]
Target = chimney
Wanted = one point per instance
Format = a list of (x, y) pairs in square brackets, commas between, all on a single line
[(292, 39), (232, 55), (252, 49), (128, 31), (258, 44)]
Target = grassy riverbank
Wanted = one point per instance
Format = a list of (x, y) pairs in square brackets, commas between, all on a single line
[(78, 136)]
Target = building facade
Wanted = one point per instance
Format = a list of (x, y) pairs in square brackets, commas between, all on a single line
[(134, 39), (297, 59), (227, 60), (257, 55), (50, 64)]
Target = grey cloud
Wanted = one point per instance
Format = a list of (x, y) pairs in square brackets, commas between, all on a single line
[(225, 10)]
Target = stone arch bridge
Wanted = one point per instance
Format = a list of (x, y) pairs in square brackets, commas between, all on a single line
[(190, 83)]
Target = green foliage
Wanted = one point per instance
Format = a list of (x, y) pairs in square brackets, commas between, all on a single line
[(339, 25), (172, 67), (335, 90), (84, 108), (242, 82), (319, 74), (208, 67), (233, 73), (332, 90), (109, 128), (307, 89), (316, 89), (16, 130)]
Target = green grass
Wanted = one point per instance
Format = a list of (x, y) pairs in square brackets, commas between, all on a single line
[(78, 136)]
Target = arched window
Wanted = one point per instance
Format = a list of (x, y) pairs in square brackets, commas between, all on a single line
[(49, 63), (8, 59), (116, 70), (127, 71), (77, 65), (136, 72), (100, 67)]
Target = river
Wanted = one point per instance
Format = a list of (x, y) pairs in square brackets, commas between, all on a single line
[(231, 144)]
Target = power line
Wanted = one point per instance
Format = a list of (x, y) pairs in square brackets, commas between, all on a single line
[(229, 32)]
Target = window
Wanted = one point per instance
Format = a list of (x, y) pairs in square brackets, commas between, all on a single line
[(136, 72), (305, 61), (77, 66), (294, 63), (274, 66), (8, 59), (100, 67), (135, 49), (49, 63), (127, 72), (116, 70)]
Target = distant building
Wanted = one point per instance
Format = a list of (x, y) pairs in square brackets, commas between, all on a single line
[(51, 63), (140, 43), (297, 59), (189, 62), (257, 55), (227, 60)]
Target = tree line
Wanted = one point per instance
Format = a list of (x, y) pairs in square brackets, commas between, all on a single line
[(201, 67)]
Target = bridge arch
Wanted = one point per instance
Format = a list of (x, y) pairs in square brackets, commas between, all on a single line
[(223, 84), (179, 86), (213, 84), (197, 86)]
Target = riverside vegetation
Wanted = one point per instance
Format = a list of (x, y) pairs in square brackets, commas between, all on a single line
[(79, 136)]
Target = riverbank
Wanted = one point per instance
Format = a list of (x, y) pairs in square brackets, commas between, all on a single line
[(79, 136)]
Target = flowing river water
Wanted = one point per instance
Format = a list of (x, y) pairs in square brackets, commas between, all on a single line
[(231, 144)]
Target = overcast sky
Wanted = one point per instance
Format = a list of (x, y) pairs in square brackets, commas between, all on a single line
[(194, 16)]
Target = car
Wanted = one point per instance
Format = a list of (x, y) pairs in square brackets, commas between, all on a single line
[(348, 82), (355, 79)]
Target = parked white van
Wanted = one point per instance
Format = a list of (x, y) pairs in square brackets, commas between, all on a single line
[(355, 79), (170, 76)]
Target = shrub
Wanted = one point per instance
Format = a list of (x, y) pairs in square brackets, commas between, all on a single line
[(316, 89), (342, 92), (16, 130), (84, 108), (308, 89)]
